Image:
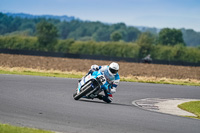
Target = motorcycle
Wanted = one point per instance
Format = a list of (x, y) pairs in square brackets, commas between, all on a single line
[(91, 85)]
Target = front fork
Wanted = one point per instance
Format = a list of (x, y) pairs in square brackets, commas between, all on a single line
[(94, 92)]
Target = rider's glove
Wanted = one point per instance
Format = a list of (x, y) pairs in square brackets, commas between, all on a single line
[(113, 90), (94, 67)]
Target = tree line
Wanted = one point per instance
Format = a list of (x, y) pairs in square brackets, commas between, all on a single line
[(85, 30), (76, 29), (112, 40), (137, 50)]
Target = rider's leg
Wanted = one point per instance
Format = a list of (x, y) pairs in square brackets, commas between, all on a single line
[(107, 98)]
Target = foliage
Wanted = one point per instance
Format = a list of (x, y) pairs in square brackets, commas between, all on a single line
[(14, 24), (176, 53), (63, 45), (145, 42), (170, 37), (191, 37), (19, 42), (192, 55), (116, 36), (141, 48), (47, 35), (96, 38), (76, 29), (85, 30), (118, 49)]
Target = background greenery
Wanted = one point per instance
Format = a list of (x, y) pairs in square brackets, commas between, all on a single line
[(69, 27), (96, 38)]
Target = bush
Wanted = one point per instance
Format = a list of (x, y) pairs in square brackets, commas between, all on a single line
[(192, 55), (176, 53), (64, 45), (113, 49), (118, 49), (18, 42)]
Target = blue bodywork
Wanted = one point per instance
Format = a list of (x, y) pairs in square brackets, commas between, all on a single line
[(94, 75)]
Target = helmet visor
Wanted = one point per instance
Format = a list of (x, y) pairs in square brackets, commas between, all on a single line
[(113, 71)]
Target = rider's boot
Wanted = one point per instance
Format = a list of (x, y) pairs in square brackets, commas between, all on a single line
[(100, 96)]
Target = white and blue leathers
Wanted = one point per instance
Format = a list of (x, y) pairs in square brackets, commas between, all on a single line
[(113, 80)]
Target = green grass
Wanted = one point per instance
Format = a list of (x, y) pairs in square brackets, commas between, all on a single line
[(78, 75), (41, 74), (5, 128), (193, 107), (174, 82)]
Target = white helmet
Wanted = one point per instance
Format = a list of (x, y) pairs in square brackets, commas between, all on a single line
[(113, 68)]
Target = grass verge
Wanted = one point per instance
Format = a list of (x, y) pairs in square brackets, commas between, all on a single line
[(5, 128), (74, 74), (193, 107)]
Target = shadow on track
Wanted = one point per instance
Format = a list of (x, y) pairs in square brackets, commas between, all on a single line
[(101, 102)]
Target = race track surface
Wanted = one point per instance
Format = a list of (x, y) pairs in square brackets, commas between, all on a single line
[(47, 103)]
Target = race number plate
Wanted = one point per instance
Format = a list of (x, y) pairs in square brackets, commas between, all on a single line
[(102, 79)]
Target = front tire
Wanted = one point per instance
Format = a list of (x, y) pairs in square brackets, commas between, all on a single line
[(86, 89)]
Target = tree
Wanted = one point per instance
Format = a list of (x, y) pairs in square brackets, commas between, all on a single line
[(64, 29), (47, 35), (191, 37), (132, 34), (145, 42), (116, 36), (102, 34), (3, 29), (171, 37)]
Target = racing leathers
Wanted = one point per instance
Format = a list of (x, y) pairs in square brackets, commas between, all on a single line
[(113, 81)]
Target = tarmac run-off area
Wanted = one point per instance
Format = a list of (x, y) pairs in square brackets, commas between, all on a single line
[(168, 106)]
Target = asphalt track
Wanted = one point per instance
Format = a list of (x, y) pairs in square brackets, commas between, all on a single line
[(47, 103)]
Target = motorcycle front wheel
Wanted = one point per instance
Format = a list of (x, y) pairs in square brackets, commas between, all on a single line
[(85, 89)]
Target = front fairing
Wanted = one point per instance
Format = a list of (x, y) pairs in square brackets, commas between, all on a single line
[(104, 86), (94, 75)]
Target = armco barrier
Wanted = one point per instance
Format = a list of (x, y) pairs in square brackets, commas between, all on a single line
[(94, 57)]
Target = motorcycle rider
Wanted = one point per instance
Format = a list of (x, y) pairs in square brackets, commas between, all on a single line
[(111, 74)]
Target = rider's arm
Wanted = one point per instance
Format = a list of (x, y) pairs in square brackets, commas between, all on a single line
[(103, 68), (115, 84), (94, 67)]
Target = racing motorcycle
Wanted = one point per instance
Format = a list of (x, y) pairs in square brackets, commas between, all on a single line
[(91, 85)]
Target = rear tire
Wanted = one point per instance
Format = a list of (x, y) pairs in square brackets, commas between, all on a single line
[(86, 89)]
